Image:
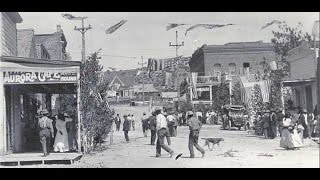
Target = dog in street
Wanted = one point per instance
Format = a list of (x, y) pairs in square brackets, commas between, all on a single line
[(213, 141)]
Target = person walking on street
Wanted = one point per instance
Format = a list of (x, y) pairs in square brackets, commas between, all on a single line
[(180, 118), (133, 122), (175, 125), (303, 120), (170, 120), (161, 131), (280, 117), (46, 132), (266, 124), (144, 122), (153, 127), (194, 127), (273, 124), (117, 122), (130, 121), (126, 127)]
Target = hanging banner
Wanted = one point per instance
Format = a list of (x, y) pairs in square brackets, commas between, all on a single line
[(19, 77)]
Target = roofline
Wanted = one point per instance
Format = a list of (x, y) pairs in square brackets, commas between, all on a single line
[(38, 61), (119, 80), (15, 16), (26, 29)]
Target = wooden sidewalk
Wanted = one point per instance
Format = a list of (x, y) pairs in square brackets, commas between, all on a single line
[(18, 159)]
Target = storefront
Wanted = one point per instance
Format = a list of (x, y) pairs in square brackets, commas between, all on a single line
[(26, 87)]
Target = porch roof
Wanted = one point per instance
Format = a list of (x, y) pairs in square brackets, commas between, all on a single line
[(301, 82)]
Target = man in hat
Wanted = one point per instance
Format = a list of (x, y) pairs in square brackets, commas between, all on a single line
[(152, 120), (144, 122), (266, 124), (162, 132), (273, 124), (194, 127), (126, 127), (46, 132), (303, 120)]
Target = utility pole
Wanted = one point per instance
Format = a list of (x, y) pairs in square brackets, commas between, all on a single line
[(142, 78), (177, 46), (83, 30)]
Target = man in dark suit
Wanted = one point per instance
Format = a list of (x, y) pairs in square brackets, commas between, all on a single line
[(46, 132), (126, 127), (280, 117), (303, 120), (152, 120)]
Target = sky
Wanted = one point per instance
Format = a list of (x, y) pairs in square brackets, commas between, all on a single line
[(145, 35)]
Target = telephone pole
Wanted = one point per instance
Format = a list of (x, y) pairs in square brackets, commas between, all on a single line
[(177, 46), (142, 63), (83, 30)]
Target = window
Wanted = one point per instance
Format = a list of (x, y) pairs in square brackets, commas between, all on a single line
[(217, 68), (246, 65), (232, 68)]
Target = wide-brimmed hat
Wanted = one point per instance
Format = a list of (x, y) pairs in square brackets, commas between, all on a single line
[(125, 115), (44, 111), (158, 109), (66, 115), (304, 111)]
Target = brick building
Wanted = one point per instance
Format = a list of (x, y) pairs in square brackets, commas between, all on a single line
[(233, 58)]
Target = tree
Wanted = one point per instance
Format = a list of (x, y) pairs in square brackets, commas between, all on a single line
[(236, 92), (285, 39), (97, 116), (221, 96), (256, 102)]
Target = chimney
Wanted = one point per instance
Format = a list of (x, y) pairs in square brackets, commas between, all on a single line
[(59, 28)]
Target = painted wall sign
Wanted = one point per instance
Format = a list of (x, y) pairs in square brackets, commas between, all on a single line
[(15, 77)]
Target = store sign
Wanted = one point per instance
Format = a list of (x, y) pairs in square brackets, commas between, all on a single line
[(17, 77)]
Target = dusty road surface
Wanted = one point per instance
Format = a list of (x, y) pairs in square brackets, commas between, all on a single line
[(239, 150)]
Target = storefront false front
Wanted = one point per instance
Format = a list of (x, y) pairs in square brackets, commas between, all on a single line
[(28, 86)]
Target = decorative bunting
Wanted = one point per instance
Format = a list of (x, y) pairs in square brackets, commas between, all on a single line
[(173, 25), (70, 17), (115, 27), (271, 23), (207, 26)]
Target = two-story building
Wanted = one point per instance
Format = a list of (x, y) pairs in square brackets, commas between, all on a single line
[(31, 73), (237, 59), (302, 78)]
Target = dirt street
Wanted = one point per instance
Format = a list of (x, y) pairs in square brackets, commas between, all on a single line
[(239, 149)]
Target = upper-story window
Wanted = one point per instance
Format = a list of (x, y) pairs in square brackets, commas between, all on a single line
[(232, 68), (217, 68)]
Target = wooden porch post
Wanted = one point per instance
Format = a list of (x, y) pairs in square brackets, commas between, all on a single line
[(79, 110)]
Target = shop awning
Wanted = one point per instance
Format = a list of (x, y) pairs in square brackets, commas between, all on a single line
[(298, 82)]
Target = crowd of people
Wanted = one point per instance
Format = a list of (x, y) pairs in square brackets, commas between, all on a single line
[(292, 127), (58, 133), (163, 124)]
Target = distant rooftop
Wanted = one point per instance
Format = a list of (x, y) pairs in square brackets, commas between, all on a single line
[(237, 47)]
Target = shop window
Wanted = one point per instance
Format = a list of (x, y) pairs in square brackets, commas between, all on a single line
[(246, 65), (217, 68)]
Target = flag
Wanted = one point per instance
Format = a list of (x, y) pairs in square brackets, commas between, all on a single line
[(270, 23), (265, 89), (207, 26), (173, 25), (71, 17), (115, 27), (194, 77), (315, 30)]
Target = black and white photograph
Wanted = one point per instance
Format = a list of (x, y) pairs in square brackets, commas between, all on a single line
[(159, 90)]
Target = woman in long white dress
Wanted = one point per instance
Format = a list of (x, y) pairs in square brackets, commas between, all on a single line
[(61, 143), (290, 138)]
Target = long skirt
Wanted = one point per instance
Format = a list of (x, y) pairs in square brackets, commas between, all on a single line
[(290, 140)]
